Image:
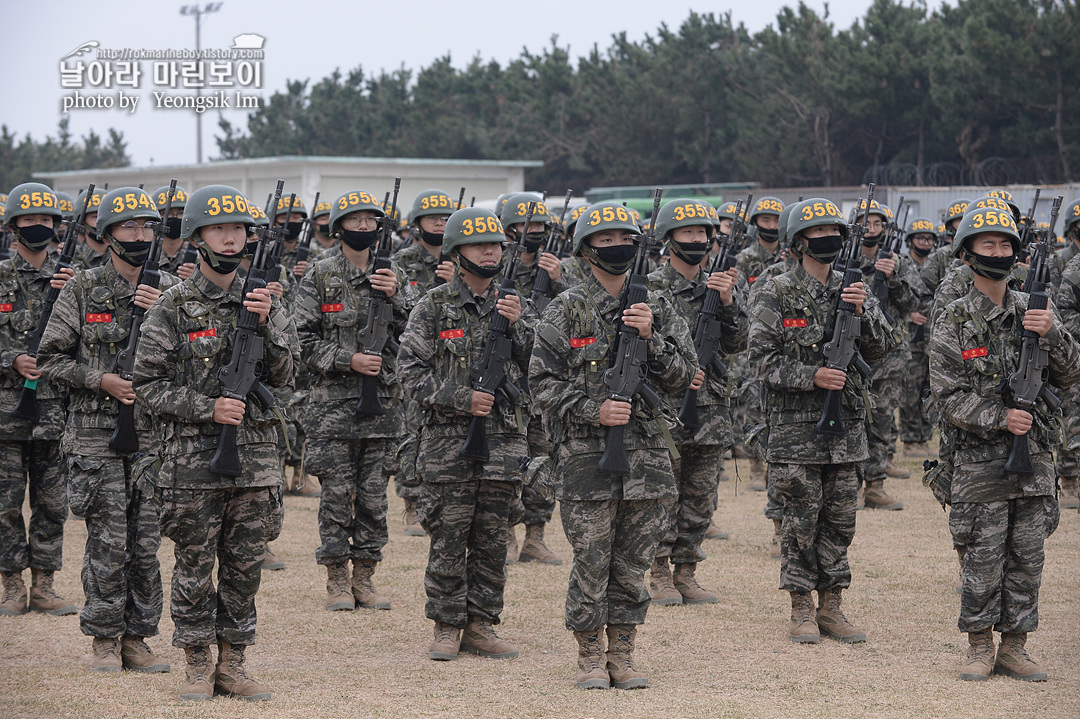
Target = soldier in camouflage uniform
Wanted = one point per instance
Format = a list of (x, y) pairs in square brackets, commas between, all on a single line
[(916, 426), (464, 503), (187, 337), (686, 228), (613, 522), (321, 217), (92, 251), (89, 326), (347, 450), (815, 474), (1070, 407), (422, 264), (887, 381), (1001, 519), (29, 449), (574, 268), (173, 249), (294, 227)]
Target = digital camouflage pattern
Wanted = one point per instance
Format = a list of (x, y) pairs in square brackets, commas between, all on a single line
[(121, 574), (1068, 304)]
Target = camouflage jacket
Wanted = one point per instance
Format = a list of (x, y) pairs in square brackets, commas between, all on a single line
[(574, 271), (686, 300), (974, 346), (957, 283), (331, 308), (937, 266), (444, 338), (187, 337), (1067, 298), (172, 264), (87, 258), (902, 301), (918, 338), (418, 265), (22, 293), (753, 260), (88, 328), (525, 278), (1060, 261), (791, 319), (574, 343)]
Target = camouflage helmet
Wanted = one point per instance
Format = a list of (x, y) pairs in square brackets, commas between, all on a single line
[(683, 213), (471, 226), (283, 206), (354, 201), (161, 197), (123, 204), (501, 200), (258, 216), (726, 210), (95, 201), (919, 226), (979, 220), (431, 202), (782, 226), (989, 201), (876, 208), (67, 204), (31, 198), (516, 206), (815, 212), (955, 211), (214, 205), (1007, 197), (602, 216), (323, 208), (767, 206), (572, 218), (1071, 216)]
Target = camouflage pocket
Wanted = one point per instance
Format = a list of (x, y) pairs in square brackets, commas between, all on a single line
[(938, 476), (428, 505), (962, 518), (275, 518), (1052, 515), (85, 480)]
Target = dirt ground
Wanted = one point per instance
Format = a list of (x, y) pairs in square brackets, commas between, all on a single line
[(731, 659)]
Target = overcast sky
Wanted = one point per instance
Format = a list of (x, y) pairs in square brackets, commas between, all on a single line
[(302, 40)]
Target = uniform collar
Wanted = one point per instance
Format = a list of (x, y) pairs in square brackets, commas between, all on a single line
[(600, 297), (211, 291)]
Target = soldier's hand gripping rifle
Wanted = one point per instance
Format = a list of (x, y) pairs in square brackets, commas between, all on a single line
[(708, 332), (277, 248), (1028, 382), (489, 374), (240, 376), (303, 250), (878, 286), (541, 289), (625, 379), (842, 350), (27, 406), (444, 256), (377, 333), (124, 438)]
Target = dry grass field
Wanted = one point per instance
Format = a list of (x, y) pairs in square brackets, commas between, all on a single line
[(732, 659)]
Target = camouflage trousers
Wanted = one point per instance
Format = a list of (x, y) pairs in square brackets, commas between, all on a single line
[(881, 439), (916, 425), (35, 463), (537, 506), (406, 479), (467, 524), (1004, 561), (1066, 457), (352, 509), (818, 524), (697, 473), (614, 543), (121, 575), (233, 527), (774, 503)]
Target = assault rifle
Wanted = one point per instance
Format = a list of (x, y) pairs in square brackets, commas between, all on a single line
[(303, 250), (489, 374), (124, 438), (541, 289), (444, 256), (626, 377), (1028, 382), (708, 331), (1027, 225), (277, 249), (240, 377), (842, 351), (376, 335), (878, 286), (27, 406)]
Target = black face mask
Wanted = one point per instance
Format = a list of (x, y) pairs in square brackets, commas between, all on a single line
[(487, 272), (824, 249), (615, 260), (432, 238), (226, 264), (172, 227), (133, 253), (292, 230), (768, 235), (534, 241), (250, 247), (35, 238), (920, 252), (323, 230), (692, 253), (992, 268), (872, 241), (359, 240)]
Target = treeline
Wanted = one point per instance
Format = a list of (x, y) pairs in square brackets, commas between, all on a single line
[(20, 159), (983, 92)]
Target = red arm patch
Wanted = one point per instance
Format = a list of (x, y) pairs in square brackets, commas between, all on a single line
[(578, 342), (973, 353), (795, 322), (333, 308), (451, 334), (98, 317), (192, 336)]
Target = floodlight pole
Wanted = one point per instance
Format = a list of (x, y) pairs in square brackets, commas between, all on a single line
[(198, 13)]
